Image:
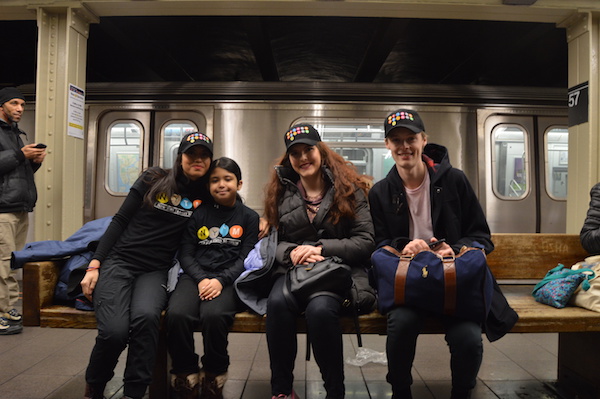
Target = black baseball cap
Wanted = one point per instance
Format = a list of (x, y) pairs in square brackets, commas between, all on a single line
[(301, 134), (404, 118), (193, 139)]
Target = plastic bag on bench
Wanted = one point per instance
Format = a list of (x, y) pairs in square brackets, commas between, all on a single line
[(559, 284), (589, 299)]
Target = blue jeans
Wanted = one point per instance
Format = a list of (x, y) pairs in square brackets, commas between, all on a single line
[(463, 337)]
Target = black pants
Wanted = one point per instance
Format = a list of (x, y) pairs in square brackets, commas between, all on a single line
[(462, 336), (325, 333), (128, 305), (185, 312)]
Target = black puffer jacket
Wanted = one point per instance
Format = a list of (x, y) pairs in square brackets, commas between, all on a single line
[(590, 232), (351, 239), (17, 188)]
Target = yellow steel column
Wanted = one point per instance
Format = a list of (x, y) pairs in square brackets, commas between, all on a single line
[(584, 143), (62, 50)]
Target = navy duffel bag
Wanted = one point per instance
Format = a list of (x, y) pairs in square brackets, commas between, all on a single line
[(460, 286)]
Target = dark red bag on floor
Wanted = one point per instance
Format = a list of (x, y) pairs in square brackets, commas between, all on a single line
[(460, 286)]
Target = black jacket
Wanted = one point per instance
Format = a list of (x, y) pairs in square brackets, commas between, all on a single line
[(455, 211), (349, 239), (17, 187), (590, 232), (456, 216)]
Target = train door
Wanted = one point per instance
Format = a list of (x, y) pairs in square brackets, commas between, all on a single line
[(131, 141), (526, 187)]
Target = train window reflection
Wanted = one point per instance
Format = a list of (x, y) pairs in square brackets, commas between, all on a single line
[(123, 163), (510, 162), (557, 160), (172, 133), (353, 133), (360, 142)]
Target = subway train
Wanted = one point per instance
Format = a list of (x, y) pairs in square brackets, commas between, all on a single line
[(512, 142)]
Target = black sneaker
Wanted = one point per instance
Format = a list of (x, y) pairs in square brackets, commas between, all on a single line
[(13, 316), (6, 328)]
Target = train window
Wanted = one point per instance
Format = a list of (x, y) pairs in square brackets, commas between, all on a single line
[(557, 160), (123, 163), (172, 133), (361, 143), (510, 161)]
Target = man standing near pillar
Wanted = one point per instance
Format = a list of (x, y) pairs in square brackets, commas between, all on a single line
[(18, 195)]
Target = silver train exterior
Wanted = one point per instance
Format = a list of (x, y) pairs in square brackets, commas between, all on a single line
[(512, 143)]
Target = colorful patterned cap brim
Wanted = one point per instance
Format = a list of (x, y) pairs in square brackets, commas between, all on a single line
[(301, 134), (193, 139), (406, 118)]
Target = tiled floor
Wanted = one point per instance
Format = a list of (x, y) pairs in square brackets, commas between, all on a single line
[(50, 363)]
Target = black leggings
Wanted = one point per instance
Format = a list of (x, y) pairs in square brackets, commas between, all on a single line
[(185, 312), (128, 305), (325, 333)]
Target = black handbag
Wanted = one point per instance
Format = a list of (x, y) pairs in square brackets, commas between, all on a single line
[(327, 277), (362, 298), (460, 285)]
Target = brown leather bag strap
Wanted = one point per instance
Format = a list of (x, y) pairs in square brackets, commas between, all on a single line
[(400, 277), (400, 280), (450, 285), (392, 250)]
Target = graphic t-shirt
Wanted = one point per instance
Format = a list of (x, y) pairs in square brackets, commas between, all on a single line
[(149, 236), (217, 240)]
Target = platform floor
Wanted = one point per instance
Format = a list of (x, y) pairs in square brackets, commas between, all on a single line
[(50, 363)]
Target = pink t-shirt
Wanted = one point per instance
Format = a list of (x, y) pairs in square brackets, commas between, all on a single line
[(419, 206)]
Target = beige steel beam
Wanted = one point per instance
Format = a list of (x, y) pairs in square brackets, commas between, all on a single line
[(583, 31), (62, 49), (551, 11)]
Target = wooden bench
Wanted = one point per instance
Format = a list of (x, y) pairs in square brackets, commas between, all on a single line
[(518, 262)]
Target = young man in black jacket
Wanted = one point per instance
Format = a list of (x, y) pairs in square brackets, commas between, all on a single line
[(18, 195), (424, 199)]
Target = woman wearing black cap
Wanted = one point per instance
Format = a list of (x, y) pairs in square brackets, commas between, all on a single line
[(127, 276), (317, 201)]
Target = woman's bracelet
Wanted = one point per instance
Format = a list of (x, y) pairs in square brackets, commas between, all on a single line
[(90, 268)]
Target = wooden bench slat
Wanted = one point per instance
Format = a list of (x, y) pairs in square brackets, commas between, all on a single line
[(533, 317), (530, 256)]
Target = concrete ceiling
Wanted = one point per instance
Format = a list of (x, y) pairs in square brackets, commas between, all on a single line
[(460, 42)]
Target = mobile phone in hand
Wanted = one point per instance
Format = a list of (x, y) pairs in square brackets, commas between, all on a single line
[(40, 145), (436, 243)]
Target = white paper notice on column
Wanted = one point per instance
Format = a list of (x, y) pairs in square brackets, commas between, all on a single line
[(76, 111)]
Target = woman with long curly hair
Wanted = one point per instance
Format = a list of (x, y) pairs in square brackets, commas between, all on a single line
[(317, 201)]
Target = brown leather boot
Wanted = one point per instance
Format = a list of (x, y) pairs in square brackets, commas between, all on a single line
[(185, 386), (212, 385), (94, 391)]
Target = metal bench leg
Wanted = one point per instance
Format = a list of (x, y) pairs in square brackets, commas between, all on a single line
[(578, 365), (159, 389)]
